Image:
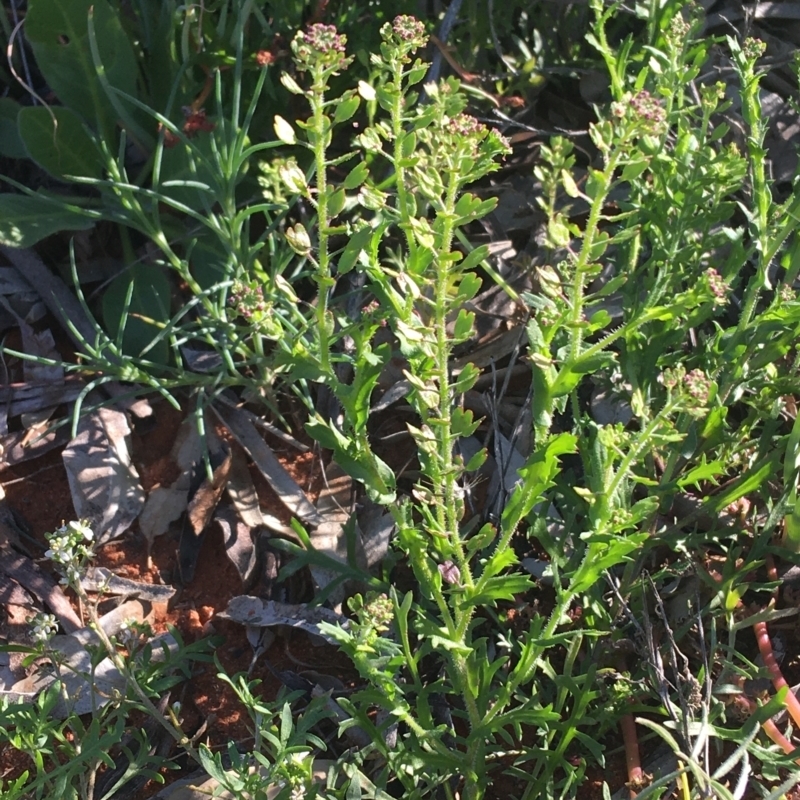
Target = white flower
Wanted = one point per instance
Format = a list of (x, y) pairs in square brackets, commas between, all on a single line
[(43, 626), (81, 528)]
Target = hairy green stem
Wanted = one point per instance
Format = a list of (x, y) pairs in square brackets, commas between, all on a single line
[(396, 112), (448, 508), (762, 196), (323, 273), (604, 180)]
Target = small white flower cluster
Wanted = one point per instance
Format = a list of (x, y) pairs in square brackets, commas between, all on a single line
[(70, 547), (43, 626)]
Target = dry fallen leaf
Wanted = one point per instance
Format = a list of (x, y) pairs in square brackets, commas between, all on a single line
[(104, 483), (240, 546), (29, 575), (290, 494), (202, 506), (97, 578), (165, 504), (248, 610)]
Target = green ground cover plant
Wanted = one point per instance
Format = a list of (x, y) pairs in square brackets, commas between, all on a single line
[(668, 280)]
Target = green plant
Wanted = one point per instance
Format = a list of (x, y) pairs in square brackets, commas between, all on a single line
[(70, 756), (660, 237), (648, 245), (283, 747)]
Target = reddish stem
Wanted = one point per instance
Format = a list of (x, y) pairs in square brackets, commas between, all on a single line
[(771, 729), (632, 760), (765, 648), (778, 681)]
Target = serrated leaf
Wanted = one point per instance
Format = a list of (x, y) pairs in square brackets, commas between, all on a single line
[(477, 461), (462, 423), (466, 379), (703, 472), (464, 324), (356, 177), (469, 285), (537, 475), (466, 204), (483, 538)]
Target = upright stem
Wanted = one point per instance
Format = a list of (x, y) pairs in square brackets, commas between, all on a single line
[(448, 506), (447, 511), (323, 277), (585, 256), (751, 110), (396, 111)]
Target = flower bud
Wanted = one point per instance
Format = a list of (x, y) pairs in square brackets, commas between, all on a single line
[(299, 239)]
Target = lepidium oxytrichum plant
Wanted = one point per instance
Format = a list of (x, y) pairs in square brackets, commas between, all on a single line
[(432, 151)]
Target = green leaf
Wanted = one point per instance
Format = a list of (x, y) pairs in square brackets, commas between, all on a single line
[(599, 246), (570, 376), (601, 556), (469, 285), (466, 379), (466, 204), (356, 177), (704, 472), (11, 145), (537, 476), (55, 138), (138, 321), (58, 33), (570, 187), (355, 397), (408, 144), (377, 477), (483, 538), (750, 481), (462, 423), (477, 461), (462, 329), (352, 250), (470, 208), (346, 108), (474, 258), (634, 169), (558, 232), (27, 219), (336, 202), (504, 587)]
